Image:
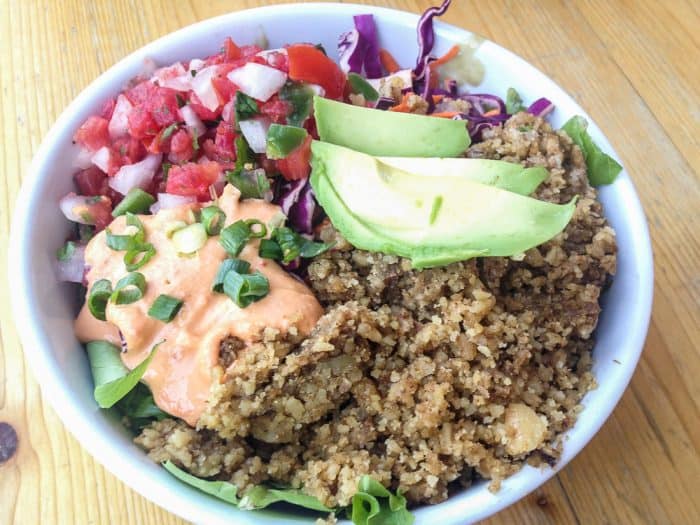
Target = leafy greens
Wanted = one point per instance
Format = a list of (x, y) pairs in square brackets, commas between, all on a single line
[(602, 168)]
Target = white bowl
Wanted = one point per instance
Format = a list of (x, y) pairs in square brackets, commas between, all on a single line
[(44, 308)]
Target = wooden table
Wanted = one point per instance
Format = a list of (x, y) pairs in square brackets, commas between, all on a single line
[(634, 66)]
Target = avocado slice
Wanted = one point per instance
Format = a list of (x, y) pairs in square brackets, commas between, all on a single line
[(394, 134), (505, 175), (431, 220)]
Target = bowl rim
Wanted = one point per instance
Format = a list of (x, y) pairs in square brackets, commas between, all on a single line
[(30, 330)]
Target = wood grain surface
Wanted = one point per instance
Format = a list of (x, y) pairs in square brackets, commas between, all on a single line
[(633, 65)]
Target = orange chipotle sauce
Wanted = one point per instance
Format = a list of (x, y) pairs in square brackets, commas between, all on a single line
[(180, 374)]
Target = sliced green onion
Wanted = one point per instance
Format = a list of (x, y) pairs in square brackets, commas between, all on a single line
[(172, 227), (166, 169), (190, 238), (282, 140), (136, 201), (136, 258), (253, 184), (269, 249), (98, 297), (292, 245), (213, 219), (66, 251), (228, 265), (245, 289), (234, 237), (165, 308), (359, 85), (245, 107), (257, 228), (168, 131), (130, 241), (129, 289)]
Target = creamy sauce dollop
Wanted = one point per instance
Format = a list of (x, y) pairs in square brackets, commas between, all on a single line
[(180, 374)]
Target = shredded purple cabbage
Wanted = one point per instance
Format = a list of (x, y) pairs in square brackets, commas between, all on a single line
[(364, 24), (426, 37), (296, 198), (477, 118), (384, 103), (541, 107), (359, 49)]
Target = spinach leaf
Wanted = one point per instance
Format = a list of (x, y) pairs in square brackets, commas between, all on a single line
[(219, 489), (112, 379), (602, 168), (260, 497), (373, 504)]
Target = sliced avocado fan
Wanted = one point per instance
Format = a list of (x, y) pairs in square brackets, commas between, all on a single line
[(432, 220), (377, 132)]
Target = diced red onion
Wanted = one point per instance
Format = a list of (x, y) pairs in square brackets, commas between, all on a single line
[(102, 158), (192, 120), (167, 201), (257, 80), (72, 270), (119, 123), (72, 202), (227, 112), (255, 133), (83, 159), (204, 89), (541, 107), (138, 175)]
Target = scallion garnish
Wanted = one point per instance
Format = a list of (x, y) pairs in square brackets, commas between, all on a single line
[(136, 201), (245, 289), (227, 265), (294, 245), (165, 308), (269, 249), (189, 239), (235, 236), (135, 259), (282, 140), (66, 251), (129, 289), (130, 241), (168, 131), (98, 297), (213, 219)]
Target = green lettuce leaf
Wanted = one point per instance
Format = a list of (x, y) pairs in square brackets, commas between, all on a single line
[(260, 497), (602, 168), (219, 489), (113, 381), (513, 102), (373, 504)]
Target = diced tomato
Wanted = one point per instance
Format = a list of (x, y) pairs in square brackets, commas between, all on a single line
[(141, 123), (310, 126), (100, 212), (225, 136), (276, 109), (193, 179), (160, 143), (231, 50), (297, 164), (128, 150), (202, 111), (250, 50), (278, 61), (308, 64), (90, 181), (141, 92), (181, 148), (93, 134), (225, 89), (108, 108), (162, 105)]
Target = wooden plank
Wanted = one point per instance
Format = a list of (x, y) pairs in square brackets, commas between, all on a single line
[(630, 65)]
